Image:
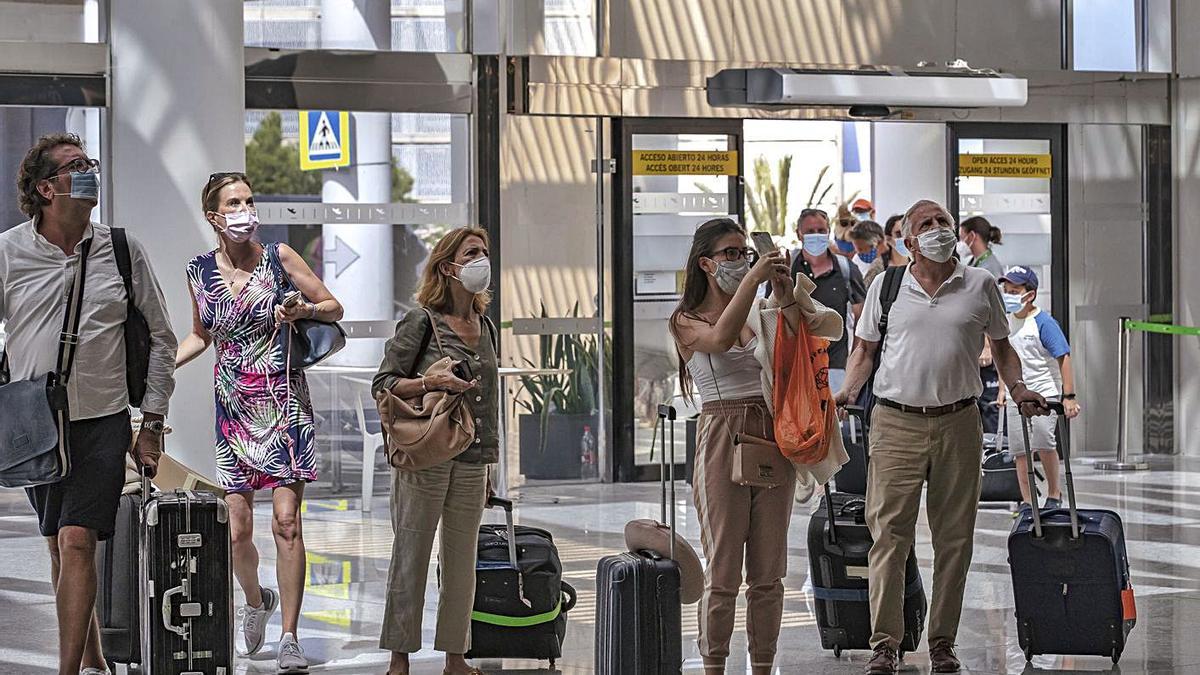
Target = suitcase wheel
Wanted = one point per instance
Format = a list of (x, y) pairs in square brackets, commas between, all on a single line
[(837, 651)]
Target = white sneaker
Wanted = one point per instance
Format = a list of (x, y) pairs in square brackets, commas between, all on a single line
[(291, 656), (94, 671), (254, 621)]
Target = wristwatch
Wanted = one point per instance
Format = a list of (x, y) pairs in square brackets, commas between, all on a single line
[(1068, 397), (155, 426)]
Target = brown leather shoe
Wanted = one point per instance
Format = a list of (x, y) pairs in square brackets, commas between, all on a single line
[(942, 658), (884, 661)]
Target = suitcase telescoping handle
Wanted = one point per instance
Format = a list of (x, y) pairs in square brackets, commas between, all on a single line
[(507, 505), (668, 414), (1072, 508), (857, 414)]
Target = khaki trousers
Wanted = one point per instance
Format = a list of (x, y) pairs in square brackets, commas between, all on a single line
[(908, 450), (453, 493), (739, 526)]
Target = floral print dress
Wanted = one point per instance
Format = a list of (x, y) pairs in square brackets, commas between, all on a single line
[(264, 416)]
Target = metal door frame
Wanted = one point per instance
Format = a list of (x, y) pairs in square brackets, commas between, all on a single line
[(624, 456)]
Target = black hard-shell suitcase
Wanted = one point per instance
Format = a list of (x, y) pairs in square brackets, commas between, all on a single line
[(521, 601), (838, 544), (118, 586), (1070, 576), (639, 625), (187, 586)]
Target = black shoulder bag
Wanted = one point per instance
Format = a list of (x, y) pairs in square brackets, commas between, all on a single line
[(311, 341), (137, 329), (34, 447)]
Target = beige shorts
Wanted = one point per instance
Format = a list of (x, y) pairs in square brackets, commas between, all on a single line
[(1043, 431)]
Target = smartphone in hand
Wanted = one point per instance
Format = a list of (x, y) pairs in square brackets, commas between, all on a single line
[(763, 243), (292, 299), (462, 371)]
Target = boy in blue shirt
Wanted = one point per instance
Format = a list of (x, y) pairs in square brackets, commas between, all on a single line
[(1046, 369)]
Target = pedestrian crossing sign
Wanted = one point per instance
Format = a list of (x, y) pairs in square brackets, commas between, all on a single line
[(324, 139)]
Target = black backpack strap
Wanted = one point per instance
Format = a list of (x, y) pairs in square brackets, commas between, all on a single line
[(124, 262), (887, 296)]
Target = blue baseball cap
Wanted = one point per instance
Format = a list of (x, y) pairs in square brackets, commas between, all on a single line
[(1021, 276)]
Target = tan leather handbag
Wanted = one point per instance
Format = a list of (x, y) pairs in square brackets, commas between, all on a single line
[(757, 462), (429, 429)]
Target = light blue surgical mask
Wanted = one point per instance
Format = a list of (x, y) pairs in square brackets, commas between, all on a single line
[(816, 243), (900, 247), (84, 185), (1013, 302)]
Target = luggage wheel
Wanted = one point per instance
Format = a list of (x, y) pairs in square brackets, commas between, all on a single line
[(837, 651)]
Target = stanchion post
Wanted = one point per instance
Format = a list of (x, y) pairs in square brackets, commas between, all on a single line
[(1122, 463)]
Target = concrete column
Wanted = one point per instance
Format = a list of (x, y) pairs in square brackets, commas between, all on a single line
[(358, 257), (177, 114), (1186, 160)]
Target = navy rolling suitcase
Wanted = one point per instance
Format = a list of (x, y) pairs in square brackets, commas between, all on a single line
[(521, 600), (638, 612), (838, 544), (1070, 576)]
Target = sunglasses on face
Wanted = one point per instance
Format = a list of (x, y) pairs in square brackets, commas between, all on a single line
[(805, 213), (79, 165)]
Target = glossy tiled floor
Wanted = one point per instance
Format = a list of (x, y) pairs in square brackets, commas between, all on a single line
[(349, 550)]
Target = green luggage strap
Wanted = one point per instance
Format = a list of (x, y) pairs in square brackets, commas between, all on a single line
[(518, 621)]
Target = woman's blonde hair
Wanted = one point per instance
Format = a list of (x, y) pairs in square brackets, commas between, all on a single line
[(210, 196), (434, 291)]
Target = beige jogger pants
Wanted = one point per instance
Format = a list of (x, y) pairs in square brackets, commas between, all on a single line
[(739, 526)]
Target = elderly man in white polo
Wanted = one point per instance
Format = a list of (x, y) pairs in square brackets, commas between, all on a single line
[(925, 427)]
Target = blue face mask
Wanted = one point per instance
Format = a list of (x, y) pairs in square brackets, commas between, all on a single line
[(84, 185), (869, 256), (816, 243), (900, 247), (1013, 302), (845, 246)]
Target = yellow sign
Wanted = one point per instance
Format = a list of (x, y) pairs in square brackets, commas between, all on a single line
[(685, 163), (1004, 165), (324, 139)]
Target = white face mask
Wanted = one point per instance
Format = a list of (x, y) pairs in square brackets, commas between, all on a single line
[(730, 273), (240, 226), (937, 244), (964, 250), (476, 275)]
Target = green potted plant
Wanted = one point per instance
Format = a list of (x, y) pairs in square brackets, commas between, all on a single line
[(559, 407)]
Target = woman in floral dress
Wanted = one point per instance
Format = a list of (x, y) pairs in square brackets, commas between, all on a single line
[(264, 422)]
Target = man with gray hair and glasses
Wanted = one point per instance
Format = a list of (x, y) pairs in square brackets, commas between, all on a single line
[(925, 428)]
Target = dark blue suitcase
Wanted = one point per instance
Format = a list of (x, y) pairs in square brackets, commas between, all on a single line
[(1070, 576)]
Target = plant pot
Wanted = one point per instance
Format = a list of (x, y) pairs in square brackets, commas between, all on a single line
[(558, 457)]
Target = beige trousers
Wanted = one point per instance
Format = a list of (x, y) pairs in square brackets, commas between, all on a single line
[(907, 451), (739, 526), (453, 493)]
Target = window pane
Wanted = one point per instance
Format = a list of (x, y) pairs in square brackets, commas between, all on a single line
[(40, 21), (414, 25), (1105, 35)]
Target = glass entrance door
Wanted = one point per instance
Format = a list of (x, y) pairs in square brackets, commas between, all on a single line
[(1014, 176), (672, 176)]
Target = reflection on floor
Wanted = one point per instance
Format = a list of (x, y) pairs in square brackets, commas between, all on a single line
[(348, 560)]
